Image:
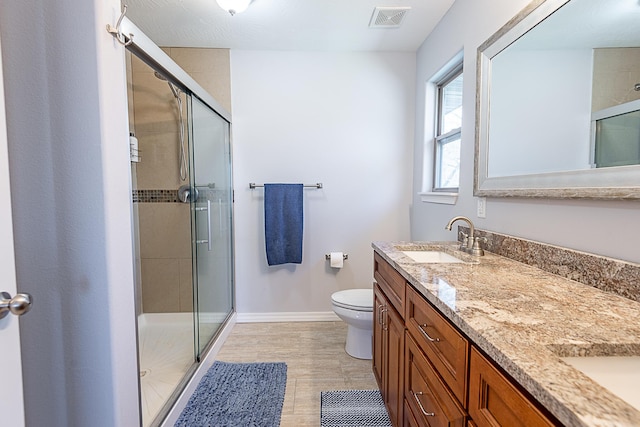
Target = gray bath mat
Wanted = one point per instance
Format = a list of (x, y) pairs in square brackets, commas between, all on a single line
[(237, 395), (353, 408)]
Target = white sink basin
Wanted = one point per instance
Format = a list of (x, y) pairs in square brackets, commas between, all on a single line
[(431, 257), (619, 374)]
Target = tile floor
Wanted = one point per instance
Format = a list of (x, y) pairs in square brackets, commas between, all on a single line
[(315, 358)]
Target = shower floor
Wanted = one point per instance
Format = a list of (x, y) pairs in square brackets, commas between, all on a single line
[(166, 353)]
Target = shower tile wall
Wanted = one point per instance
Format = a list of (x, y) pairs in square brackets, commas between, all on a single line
[(164, 227), (615, 72)]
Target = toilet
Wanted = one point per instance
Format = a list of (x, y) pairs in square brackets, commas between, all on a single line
[(355, 308)]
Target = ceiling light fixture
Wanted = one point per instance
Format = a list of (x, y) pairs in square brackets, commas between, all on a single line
[(234, 6)]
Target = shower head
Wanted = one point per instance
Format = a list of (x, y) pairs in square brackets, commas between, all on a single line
[(159, 76), (174, 89)]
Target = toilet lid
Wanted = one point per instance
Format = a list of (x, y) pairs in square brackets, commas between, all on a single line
[(355, 299)]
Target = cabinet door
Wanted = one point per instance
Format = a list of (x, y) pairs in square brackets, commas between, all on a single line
[(495, 401), (378, 359), (394, 325)]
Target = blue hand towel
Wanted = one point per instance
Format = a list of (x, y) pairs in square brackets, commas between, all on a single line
[(283, 223)]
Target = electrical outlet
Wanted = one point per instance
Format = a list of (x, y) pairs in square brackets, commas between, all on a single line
[(482, 207)]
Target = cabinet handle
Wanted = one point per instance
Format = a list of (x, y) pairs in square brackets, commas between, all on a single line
[(379, 314), (425, 413), (421, 327), (384, 324)]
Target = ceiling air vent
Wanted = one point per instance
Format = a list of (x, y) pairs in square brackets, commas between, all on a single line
[(388, 17)]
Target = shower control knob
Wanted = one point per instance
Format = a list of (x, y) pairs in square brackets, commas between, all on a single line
[(187, 194), (18, 305)]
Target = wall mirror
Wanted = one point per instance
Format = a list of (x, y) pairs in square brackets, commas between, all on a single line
[(558, 103)]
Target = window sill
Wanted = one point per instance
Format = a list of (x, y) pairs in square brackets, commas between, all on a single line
[(441, 198)]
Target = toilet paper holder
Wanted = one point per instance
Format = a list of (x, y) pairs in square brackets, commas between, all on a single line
[(344, 256)]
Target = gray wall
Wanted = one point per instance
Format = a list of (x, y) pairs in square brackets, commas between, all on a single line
[(68, 152), (606, 228), (343, 119)]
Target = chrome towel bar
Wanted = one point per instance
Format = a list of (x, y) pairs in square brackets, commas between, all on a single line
[(318, 185)]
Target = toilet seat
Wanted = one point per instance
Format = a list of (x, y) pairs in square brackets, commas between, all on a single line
[(354, 299)]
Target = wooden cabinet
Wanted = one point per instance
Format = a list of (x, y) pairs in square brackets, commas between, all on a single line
[(429, 400), (388, 354), (390, 281), (495, 401), (379, 304), (444, 346), (409, 419), (388, 336), (430, 374), (394, 364)]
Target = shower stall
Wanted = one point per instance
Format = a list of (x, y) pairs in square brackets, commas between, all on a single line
[(182, 206)]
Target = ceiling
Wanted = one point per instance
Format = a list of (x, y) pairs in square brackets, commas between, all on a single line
[(306, 25)]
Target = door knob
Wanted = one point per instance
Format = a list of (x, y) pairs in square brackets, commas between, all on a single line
[(17, 305)]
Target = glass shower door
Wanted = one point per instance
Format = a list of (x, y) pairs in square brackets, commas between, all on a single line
[(211, 219)]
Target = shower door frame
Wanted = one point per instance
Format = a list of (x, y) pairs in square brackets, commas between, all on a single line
[(156, 58), (198, 245), (146, 50)]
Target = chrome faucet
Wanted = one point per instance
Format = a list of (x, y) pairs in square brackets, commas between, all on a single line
[(472, 243)]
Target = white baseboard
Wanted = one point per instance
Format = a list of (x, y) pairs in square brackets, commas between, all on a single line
[(317, 316), (205, 364)]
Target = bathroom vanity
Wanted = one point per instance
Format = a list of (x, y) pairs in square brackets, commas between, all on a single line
[(483, 341)]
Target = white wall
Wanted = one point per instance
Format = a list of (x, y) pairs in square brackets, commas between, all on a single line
[(540, 83), (602, 227), (68, 152), (343, 119)]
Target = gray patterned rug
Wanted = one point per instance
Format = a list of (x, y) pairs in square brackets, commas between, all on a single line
[(353, 408), (237, 395)]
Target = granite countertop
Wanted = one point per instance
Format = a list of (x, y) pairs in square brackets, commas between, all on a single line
[(527, 319)]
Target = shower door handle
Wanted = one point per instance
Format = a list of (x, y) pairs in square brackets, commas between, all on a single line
[(208, 241), (209, 225)]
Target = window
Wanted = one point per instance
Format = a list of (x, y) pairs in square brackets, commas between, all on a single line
[(448, 130)]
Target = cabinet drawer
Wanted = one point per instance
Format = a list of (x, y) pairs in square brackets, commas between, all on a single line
[(495, 401), (409, 419), (430, 402), (391, 282), (444, 346)]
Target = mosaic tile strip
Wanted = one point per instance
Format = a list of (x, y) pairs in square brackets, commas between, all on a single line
[(607, 274), (155, 196)]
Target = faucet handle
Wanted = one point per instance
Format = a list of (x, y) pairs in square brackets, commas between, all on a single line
[(465, 240), (477, 250)]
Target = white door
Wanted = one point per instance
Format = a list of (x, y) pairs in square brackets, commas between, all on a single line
[(11, 394)]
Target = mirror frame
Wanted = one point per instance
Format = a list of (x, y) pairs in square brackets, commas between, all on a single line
[(622, 182)]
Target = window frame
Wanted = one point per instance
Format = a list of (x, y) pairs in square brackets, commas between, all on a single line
[(440, 139)]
